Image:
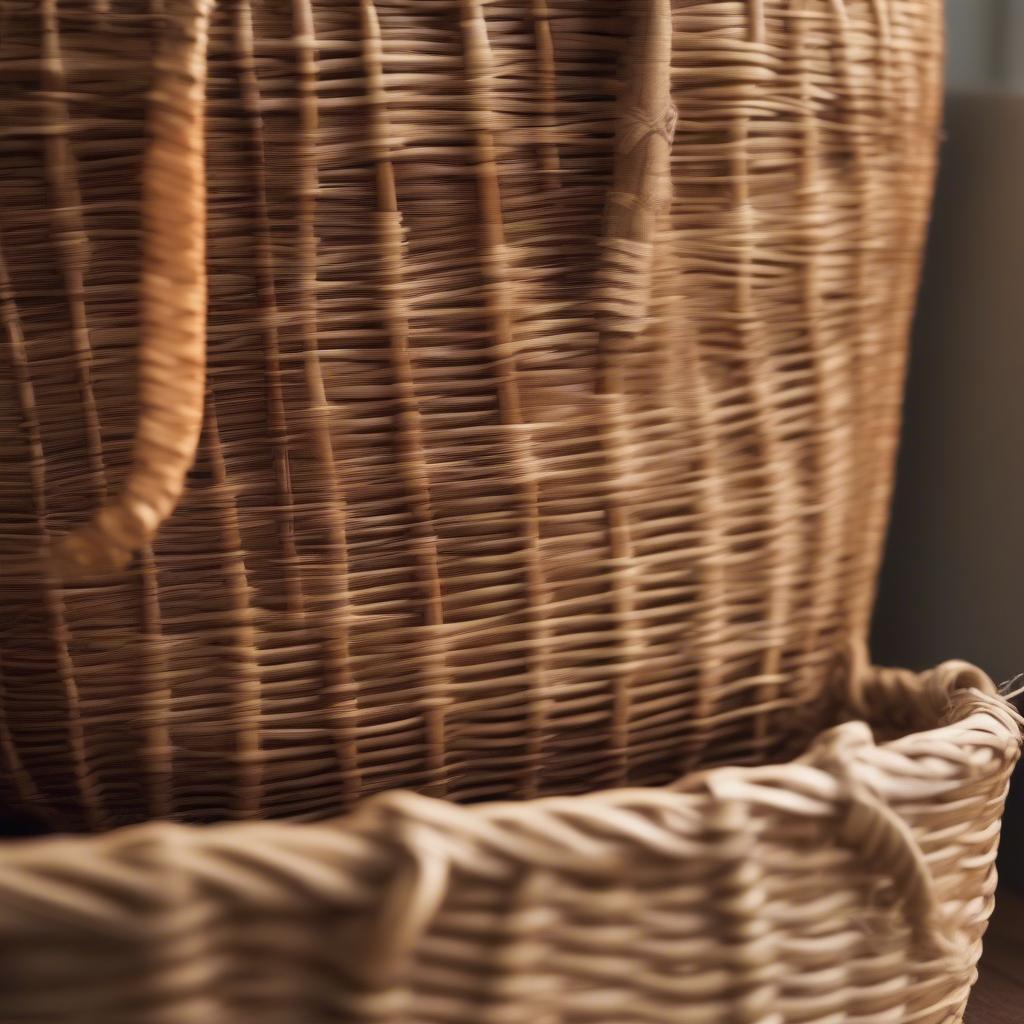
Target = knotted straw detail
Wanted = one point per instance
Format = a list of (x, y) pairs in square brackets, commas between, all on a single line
[(172, 346), (639, 124), (645, 128)]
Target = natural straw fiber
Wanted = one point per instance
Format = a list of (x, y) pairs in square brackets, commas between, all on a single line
[(491, 399), (851, 885), (546, 435)]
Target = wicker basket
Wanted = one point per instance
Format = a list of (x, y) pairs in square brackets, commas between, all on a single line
[(538, 444), (851, 885), (515, 477)]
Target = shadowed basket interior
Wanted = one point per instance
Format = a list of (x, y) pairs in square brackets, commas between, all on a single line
[(536, 456)]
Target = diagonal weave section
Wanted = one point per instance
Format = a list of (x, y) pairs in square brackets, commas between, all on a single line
[(520, 474), (852, 884)]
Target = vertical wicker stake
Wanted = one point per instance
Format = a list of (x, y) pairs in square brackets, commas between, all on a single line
[(643, 142), (173, 299)]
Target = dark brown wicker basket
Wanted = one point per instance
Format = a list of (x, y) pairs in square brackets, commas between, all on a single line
[(526, 466)]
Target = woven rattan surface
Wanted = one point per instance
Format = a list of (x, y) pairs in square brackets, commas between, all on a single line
[(542, 450), (852, 885)]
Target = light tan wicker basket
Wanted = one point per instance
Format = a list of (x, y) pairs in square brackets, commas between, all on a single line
[(516, 477), (852, 885)]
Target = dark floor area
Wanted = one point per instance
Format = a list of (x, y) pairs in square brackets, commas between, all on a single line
[(998, 997)]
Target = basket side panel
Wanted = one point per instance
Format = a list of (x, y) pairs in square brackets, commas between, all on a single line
[(457, 523)]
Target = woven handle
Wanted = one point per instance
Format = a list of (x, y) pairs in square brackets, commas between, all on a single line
[(172, 348), (646, 125), (640, 179)]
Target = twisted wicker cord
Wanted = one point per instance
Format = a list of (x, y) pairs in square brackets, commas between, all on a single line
[(885, 844), (172, 349)]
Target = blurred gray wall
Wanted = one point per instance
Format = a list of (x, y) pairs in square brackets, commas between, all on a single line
[(953, 580), (985, 44)]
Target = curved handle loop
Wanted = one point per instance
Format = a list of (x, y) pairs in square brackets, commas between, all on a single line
[(861, 822), (172, 347), (884, 842)]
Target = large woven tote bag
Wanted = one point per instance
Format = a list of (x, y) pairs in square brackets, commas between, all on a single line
[(537, 436)]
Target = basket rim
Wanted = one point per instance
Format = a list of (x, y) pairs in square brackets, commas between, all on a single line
[(972, 727)]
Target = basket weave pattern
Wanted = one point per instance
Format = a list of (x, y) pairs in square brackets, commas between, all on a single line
[(526, 466), (853, 884), (494, 399)]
